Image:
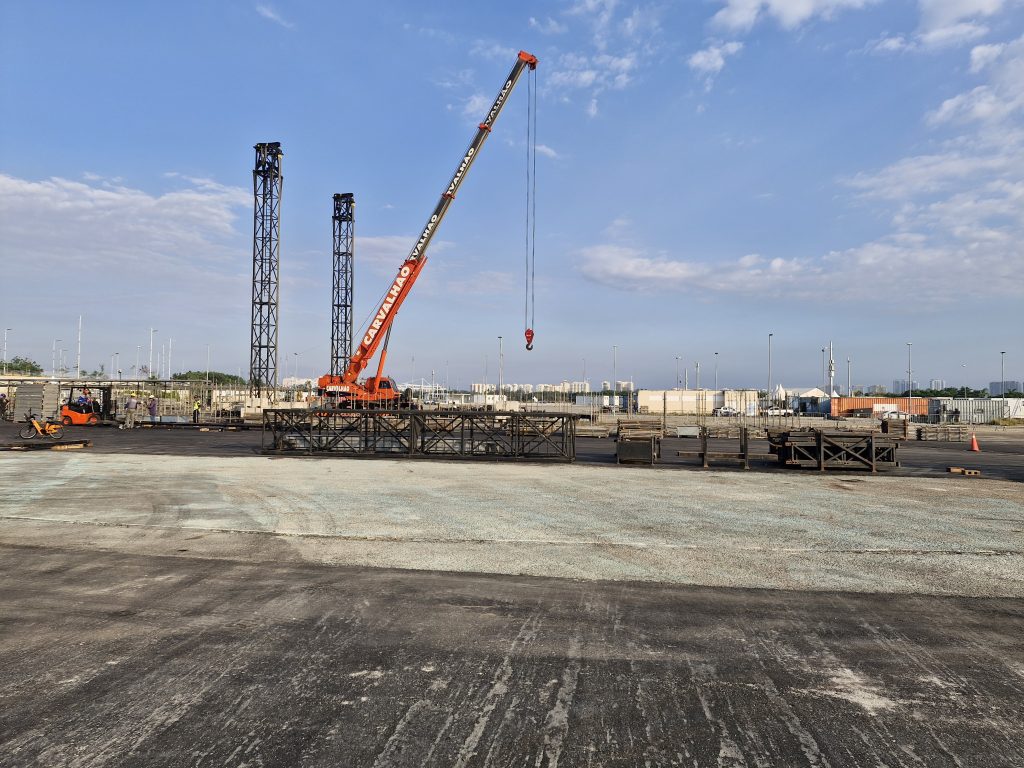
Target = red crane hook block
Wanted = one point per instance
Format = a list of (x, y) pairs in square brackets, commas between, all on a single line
[(529, 339)]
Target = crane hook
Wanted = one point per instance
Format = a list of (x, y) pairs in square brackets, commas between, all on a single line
[(529, 339)]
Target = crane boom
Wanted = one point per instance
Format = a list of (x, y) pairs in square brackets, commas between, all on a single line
[(417, 258)]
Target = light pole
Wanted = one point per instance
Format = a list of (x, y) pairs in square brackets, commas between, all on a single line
[(769, 367), (6, 330), (849, 386), (151, 332), (1002, 375), (117, 364), (138, 353), (585, 375), (207, 363), (716, 371), (910, 370), (964, 366), (698, 374), (501, 366), (823, 369), (54, 356), (615, 377)]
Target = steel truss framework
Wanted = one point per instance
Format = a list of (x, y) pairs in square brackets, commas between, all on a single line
[(341, 316), (266, 261), (821, 450), (441, 434)]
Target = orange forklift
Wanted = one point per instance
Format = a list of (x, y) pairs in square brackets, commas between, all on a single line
[(87, 405)]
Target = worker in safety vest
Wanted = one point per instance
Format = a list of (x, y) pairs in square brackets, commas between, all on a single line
[(196, 407)]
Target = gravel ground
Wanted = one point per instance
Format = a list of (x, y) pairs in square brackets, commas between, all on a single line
[(775, 530)]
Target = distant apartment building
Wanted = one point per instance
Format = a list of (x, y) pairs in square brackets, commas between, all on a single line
[(876, 389), (481, 389), (605, 386), (625, 386), (936, 383), (995, 388), (902, 385)]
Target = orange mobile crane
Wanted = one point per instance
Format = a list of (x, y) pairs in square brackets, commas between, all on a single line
[(378, 390)]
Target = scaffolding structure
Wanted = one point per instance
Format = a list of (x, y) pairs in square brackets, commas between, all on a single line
[(266, 262), (341, 315)]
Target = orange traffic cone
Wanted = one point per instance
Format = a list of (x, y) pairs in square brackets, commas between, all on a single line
[(974, 443)]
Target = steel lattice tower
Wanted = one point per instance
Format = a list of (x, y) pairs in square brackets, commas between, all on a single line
[(341, 317), (266, 263)]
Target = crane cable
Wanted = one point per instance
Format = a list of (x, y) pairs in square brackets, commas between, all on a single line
[(530, 305)]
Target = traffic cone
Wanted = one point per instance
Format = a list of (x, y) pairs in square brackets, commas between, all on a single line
[(974, 443)]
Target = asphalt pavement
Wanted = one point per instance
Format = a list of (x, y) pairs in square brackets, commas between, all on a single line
[(110, 659), (170, 597)]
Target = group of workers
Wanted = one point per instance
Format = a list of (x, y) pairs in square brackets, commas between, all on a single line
[(133, 404)]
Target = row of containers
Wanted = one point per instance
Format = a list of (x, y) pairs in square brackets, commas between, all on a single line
[(934, 410), (814, 402)]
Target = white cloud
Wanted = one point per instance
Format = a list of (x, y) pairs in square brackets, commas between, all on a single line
[(742, 15), (599, 14), (980, 104), (996, 101), (544, 149), (956, 221), (710, 61), (488, 49), (953, 35), (941, 14), (592, 108), (118, 241), (983, 55), (476, 106), (271, 15), (548, 26)]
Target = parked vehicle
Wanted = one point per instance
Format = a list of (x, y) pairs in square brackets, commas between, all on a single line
[(776, 411), (725, 411), (895, 415)]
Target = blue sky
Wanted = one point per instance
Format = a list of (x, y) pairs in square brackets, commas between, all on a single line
[(709, 171)]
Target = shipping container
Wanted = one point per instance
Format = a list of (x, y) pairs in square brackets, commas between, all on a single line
[(974, 410), (856, 406)]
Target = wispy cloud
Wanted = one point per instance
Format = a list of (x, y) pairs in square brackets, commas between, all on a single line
[(271, 15), (546, 151), (955, 218), (548, 26), (710, 61), (182, 243), (742, 15)]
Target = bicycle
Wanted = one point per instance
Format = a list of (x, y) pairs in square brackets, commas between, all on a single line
[(49, 428)]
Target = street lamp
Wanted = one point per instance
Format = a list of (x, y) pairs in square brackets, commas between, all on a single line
[(769, 394), (678, 382), (1002, 375), (698, 374), (964, 366), (823, 385), (151, 332), (615, 378), (849, 386), (501, 366), (54, 357), (910, 371), (716, 371), (6, 330)]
